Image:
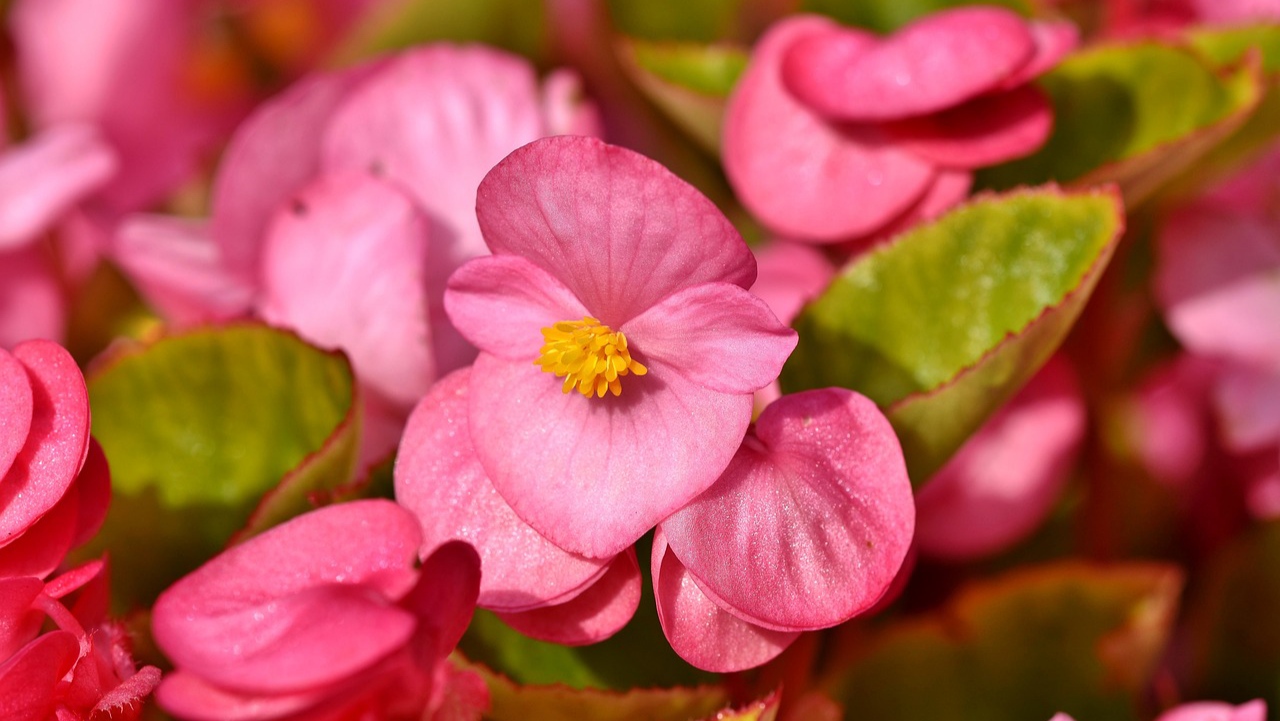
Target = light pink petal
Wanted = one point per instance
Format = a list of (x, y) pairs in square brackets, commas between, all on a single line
[(1053, 41), (502, 303), (799, 174), (344, 264), (28, 679), (620, 231), (790, 275), (565, 109), (187, 696), (818, 499), (700, 631), (18, 622), (1003, 482), (15, 399), (1247, 399), (1236, 11), (1255, 710), (591, 616), (932, 64), (45, 176), (31, 298), (984, 131), (716, 335), (58, 440), (176, 266), (440, 480), (593, 474)]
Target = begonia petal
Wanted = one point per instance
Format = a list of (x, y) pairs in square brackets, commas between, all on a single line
[(932, 64), (344, 264), (948, 189), (42, 178), (591, 616), (19, 623), (94, 488), (15, 399), (445, 596), (29, 677), (57, 442), (790, 275), (1053, 40), (817, 502), (700, 631), (1255, 710), (984, 131), (798, 173), (593, 474), (188, 696), (716, 335), (501, 303), (617, 229), (440, 480), (39, 549), (565, 111), (1247, 399), (32, 304)]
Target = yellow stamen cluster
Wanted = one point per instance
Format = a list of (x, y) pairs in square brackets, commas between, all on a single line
[(588, 355)]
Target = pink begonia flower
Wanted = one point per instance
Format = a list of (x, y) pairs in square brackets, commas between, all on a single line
[(825, 113), (1003, 482), (322, 617), (619, 349), (806, 528), (1255, 710), (533, 585), (788, 275)]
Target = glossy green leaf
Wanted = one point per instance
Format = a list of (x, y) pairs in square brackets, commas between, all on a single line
[(690, 83), (885, 16), (1137, 115), (198, 427), (944, 324), (1066, 638)]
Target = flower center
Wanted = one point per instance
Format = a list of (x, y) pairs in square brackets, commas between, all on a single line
[(589, 356)]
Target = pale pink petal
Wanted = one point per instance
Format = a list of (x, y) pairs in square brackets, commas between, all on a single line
[(984, 131), (620, 231), (502, 303), (28, 679), (1003, 482), (344, 264), (593, 474), (591, 616), (818, 500), (57, 442), (32, 304), (790, 275), (15, 399), (1255, 710), (716, 335), (1053, 41), (175, 265), (700, 631), (565, 108), (19, 623), (440, 480), (800, 174), (1247, 399), (932, 64), (444, 599), (45, 176)]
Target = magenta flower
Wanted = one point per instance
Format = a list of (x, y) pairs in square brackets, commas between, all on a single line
[(619, 349), (806, 528), (825, 113), (323, 615), (789, 275)]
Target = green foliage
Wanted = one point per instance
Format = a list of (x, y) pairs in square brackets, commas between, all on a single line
[(515, 25), (689, 82), (885, 16)]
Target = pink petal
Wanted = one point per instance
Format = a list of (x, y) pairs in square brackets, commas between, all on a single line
[(31, 298), (1247, 399), (177, 267), (39, 549), (716, 335), (15, 399), (1003, 482), (565, 110), (45, 176), (188, 696), (19, 624), (440, 480), (502, 303), (29, 678), (617, 229), (344, 264), (593, 615), (984, 131), (94, 487), (444, 598), (593, 474), (818, 499), (932, 64), (1171, 411), (795, 171), (1053, 41), (790, 275), (1255, 710), (700, 631), (58, 440), (947, 190)]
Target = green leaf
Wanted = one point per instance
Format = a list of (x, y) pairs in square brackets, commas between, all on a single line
[(197, 428), (515, 25), (1137, 115), (944, 324), (885, 16), (1070, 637), (689, 82), (697, 21)]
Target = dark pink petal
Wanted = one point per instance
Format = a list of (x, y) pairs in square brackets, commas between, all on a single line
[(593, 474), (19, 623), (1248, 404), (56, 444), (502, 303), (1053, 41), (700, 631), (716, 335), (1255, 710), (177, 267), (444, 599), (439, 478), (42, 178), (1003, 482), (345, 265), (818, 499), (932, 64), (801, 175), (31, 298), (591, 616), (617, 229), (984, 131), (29, 678), (39, 549), (15, 399), (94, 486)]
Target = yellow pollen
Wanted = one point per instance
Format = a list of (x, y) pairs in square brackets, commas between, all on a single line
[(589, 356)]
